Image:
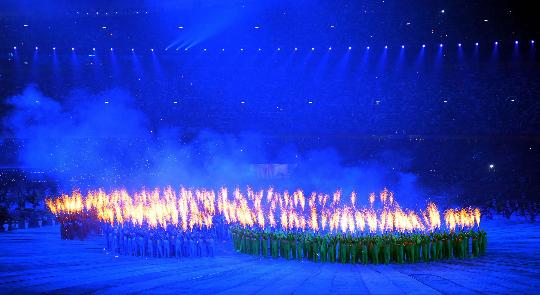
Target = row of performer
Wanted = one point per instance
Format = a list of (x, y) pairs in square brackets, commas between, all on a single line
[(159, 243), (383, 248)]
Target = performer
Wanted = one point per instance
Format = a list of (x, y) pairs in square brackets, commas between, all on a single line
[(298, 240), (332, 248), (210, 246), (439, 246), (178, 245), (387, 248), (354, 249), (417, 247), (115, 242), (433, 247), (475, 246), (364, 251), (125, 245), (314, 248), (307, 247), (199, 245), (130, 242), (399, 250), (150, 245), (425, 248), (111, 240), (292, 243), (106, 230), (185, 245), (159, 245), (137, 240), (141, 244), (342, 249), (376, 249), (265, 244), (167, 245), (323, 246), (275, 248), (285, 247), (482, 242)]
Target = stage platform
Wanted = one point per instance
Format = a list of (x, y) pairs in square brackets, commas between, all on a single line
[(37, 261)]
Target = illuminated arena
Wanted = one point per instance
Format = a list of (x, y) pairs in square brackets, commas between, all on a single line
[(272, 147)]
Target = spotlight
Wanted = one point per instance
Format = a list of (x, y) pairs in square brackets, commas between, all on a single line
[(423, 45), (312, 48), (152, 49), (516, 42), (350, 47), (54, 48), (111, 49), (329, 48), (260, 49), (94, 49), (496, 43), (36, 48), (242, 49), (476, 44), (14, 47), (295, 49), (402, 46), (132, 49), (491, 166), (386, 46), (278, 49), (72, 49), (222, 49), (459, 45), (205, 49), (367, 47), (532, 41), (441, 45)]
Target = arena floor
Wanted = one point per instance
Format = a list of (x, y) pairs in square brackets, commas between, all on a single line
[(37, 261)]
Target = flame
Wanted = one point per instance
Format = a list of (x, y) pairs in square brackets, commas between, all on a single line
[(187, 209)]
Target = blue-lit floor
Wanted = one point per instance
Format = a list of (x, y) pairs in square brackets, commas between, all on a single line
[(36, 260)]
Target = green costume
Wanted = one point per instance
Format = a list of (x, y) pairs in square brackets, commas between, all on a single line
[(324, 248), (425, 249), (387, 250), (343, 249), (307, 247), (299, 246), (364, 252), (354, 250), (332, 249), (264, 244), (274, 246), (292, 244)]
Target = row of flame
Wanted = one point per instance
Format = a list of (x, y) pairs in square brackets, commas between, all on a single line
[(189, 208)]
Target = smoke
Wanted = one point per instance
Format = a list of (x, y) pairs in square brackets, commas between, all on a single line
[(105, 140)]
